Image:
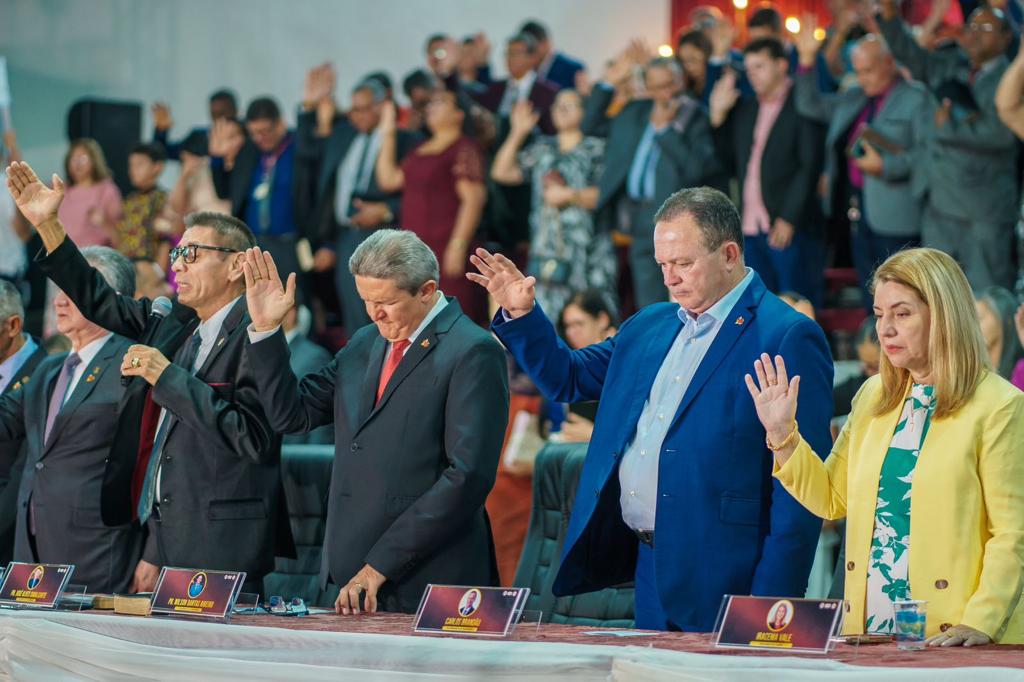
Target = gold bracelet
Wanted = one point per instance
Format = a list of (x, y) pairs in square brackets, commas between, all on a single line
[(785, 442)]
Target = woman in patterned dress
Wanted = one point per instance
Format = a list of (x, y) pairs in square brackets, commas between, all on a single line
[(929, 469), (567, 253)]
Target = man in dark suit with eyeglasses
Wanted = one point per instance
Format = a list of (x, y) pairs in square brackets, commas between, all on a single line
[(195, 459)]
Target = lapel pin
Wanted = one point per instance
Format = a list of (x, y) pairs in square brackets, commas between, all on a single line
[(24, 379), (739, 320), (89, 379), (425, 343), (220, 342), (97, 370), (16, 386)]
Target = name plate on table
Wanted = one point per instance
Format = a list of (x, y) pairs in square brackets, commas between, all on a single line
[(472, 611), (39, 585), (192, 592), (805, 625)]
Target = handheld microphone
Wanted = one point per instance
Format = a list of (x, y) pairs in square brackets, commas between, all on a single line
[(160, 308)]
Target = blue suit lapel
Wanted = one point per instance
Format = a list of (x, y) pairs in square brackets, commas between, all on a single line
[(737, 321)]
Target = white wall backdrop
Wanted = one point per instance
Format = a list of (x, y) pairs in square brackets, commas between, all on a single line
[(181, 50)]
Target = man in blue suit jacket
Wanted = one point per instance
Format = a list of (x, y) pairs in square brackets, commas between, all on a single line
[(676, 491), (552, 66)]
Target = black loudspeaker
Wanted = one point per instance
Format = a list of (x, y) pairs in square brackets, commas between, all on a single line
[(116, 126)]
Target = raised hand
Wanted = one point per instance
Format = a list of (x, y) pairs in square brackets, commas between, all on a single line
[(723, 97), (523, 119), (226, 140), (388, 118), (775, 397), (807, 44), (619, 69), (319, 84), (37, 202), (162, 116), (510, 288), (268, 300), (723, 35)]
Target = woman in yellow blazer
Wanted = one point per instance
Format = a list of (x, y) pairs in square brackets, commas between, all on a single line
[(929, 469)]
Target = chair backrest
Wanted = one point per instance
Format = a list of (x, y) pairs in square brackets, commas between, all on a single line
[(306, 475), (556, 475)]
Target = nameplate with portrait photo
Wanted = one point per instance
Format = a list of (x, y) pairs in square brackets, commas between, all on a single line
[(34, 585), (773, 623), (470, 611), (196, 593)]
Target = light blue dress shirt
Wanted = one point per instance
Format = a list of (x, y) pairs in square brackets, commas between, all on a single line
[(640, 181), (638, 471)]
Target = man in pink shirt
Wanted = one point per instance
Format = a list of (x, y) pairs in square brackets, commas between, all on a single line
[(775, 154)]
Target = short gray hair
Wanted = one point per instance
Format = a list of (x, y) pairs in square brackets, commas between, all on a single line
[(713, 211), (233, 233), (116, 269), (397, 255), (670, 63), (372, 86), (10, 301)]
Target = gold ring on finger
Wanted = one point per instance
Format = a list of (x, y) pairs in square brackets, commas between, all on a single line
[(135, 362)]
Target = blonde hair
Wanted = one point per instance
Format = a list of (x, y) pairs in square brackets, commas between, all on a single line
[(956, 350), (100, 169)]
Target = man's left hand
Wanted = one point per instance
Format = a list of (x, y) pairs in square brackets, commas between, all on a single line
[(145, 362), (871, 163), (781, 234), (960, 635), (368, 580)]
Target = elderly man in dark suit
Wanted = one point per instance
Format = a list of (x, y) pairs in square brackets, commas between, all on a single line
[(968, 167), (656, 145), (522, 84), (872, 185), (20, 354), (67, 415), (419, 403), (197, 460), (339, 152)]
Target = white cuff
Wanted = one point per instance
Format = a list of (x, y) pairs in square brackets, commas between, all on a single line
[(256, 337)]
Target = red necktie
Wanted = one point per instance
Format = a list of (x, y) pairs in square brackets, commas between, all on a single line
[(397, 352)]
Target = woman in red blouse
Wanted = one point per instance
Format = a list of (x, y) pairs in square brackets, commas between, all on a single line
[(443, 192)]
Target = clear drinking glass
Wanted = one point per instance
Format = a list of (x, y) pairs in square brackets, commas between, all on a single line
[(910, 623)]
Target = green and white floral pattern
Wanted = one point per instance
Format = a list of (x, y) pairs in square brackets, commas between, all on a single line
[(888, 578)]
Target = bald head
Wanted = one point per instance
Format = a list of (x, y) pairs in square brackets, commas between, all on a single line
[(874, 65)]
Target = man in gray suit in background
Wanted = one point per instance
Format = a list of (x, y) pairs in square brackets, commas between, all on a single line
[(67, 413), (870, 183), (970, 166)]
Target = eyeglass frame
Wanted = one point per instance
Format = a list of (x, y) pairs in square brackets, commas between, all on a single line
[(182, 251)]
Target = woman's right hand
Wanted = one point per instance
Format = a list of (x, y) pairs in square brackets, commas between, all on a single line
[(775, 397), (523, 119)]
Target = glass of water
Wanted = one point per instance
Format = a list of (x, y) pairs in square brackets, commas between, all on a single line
[(910, 623)]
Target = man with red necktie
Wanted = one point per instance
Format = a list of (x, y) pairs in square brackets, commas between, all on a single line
[(419, 402)]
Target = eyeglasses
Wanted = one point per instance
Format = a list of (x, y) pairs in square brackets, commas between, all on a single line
[(189, 252), (982, 28), (277, 606)]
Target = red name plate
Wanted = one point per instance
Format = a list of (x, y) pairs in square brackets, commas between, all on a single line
[(192, 592), (805, 625), (34, 584), (473, 611)]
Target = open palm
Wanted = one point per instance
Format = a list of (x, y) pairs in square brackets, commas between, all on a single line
[(509, 287), (268, 300), (37, 202), (774, 394)]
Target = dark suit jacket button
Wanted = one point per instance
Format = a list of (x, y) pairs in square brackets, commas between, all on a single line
[(39, 465), (167, 458), (850, 565), (166, 500), (945, 626), (355, 446), (941, 584)]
